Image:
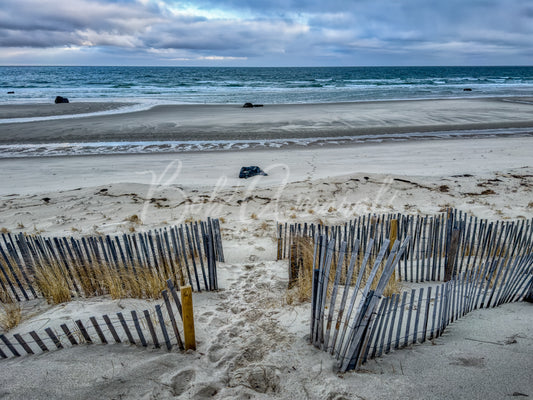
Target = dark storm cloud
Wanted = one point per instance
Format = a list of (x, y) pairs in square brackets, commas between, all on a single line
[(295, 32)]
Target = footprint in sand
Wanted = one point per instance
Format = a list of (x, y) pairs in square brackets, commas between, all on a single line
[(182, 381), (206, 392), (215, 352)]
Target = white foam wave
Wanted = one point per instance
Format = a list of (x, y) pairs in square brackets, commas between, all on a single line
[(148, 147), (135, 106)]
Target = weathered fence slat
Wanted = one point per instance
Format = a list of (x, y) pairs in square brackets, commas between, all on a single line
[(111, 328), (148, 319), (54, 338), (138, 328), (38, 340), (69, 334), (125, 327), (9, 345), (98, 330), (400, 320), (84, 332), (172, 319), (163, 326)]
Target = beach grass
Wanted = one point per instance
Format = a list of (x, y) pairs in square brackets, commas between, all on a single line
[(301, 289), (59, 282), (10, 315)]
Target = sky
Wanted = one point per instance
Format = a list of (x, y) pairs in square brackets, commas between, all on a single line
[(266, 32)]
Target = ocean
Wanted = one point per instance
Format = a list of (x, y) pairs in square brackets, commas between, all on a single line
[(204, 85), (150, 86)]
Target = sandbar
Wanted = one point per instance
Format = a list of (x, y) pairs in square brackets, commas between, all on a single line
[(232, 122)]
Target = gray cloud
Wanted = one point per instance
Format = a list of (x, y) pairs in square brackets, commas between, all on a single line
[(301, 32)]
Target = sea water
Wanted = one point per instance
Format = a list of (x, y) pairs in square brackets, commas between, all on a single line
[(148, 86), (204, 85)]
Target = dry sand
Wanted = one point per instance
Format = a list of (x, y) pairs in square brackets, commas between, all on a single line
[(251, 344)]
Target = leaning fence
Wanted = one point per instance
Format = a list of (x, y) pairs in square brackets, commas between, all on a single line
[(159, 327), (30, 264), (435, 241), (483, 264), (372, 324)]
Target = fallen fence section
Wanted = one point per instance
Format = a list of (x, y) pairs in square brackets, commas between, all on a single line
[(159, 328), (373, 325), (187, 253)]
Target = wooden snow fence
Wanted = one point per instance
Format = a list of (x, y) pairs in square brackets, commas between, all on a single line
[(158, 328), (440, 246), (187, 253), (343, 333), (355, 322)]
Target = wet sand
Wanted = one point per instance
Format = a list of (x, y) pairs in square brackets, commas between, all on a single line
[(232, 122), (8, 111)]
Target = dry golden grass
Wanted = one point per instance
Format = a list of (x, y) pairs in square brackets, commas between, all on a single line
[(53, 284), (134, 219), (301, 289), (58, 285), (10, 315), (253, 216)]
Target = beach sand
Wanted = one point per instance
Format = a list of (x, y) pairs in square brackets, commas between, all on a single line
[(9, 111), (251, 343), (232, 122)]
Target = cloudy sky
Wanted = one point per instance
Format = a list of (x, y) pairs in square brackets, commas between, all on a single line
[(266, 32)]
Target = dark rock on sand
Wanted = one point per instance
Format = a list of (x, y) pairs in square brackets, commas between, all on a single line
[(248, 172), (11, 92), (467, 90), (251, 105), (60, 99)]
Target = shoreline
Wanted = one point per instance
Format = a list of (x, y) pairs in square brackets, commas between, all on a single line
[(273, 122), (169, 148)]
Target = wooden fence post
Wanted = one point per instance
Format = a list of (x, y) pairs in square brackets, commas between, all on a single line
[(280, 243), (188, 318), (293, 265), (450, 261), (393, 236)]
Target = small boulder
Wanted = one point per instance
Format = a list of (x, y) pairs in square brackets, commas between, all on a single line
[(11, 92), (467, 90), (60, 99), (248, 105), (248, 172)]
